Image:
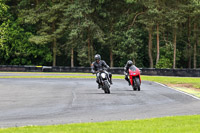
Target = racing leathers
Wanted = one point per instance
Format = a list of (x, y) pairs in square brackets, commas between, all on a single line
[(126, 73)]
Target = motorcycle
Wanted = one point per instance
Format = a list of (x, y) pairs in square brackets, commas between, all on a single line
[(104, 81), (134, 77)]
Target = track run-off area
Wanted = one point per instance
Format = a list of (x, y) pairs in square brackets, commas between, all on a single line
[(49, 101)]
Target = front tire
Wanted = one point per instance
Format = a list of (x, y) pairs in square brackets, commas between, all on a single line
[(134, 85), (137, 83), (106, 87), (134, 88)]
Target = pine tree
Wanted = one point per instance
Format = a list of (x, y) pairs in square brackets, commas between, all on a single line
[(83, 29), (48, 17)]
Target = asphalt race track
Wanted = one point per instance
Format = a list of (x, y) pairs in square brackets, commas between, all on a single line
[(59, 101)]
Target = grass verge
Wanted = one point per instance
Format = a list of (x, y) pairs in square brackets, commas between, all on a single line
[(48, 73), (194, 82), (47, 77), (177, 124), (51, 75), (186, 84)]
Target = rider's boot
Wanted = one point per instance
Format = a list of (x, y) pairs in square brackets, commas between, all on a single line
[(111, 81), (129, 83), (99, 86)]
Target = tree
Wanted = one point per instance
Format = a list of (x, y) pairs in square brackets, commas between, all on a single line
[(152, 33), (3, 9), (82, 29), (3, 12), (109, 20), (196, 15), (173, 19), (47, 15), (150, 13), (147, 19)]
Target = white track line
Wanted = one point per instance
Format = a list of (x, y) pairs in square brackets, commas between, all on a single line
[(179, 91)]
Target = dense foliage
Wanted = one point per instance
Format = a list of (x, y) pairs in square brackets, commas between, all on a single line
[(151, 33)]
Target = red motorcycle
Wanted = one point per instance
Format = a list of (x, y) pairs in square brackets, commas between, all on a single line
[(134, 77)]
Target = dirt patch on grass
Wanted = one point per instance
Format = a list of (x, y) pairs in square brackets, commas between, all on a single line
[(188, 86)]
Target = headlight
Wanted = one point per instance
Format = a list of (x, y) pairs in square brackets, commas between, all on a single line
[(103, 75)]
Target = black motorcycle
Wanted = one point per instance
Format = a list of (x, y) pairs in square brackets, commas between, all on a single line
[(104, 80)]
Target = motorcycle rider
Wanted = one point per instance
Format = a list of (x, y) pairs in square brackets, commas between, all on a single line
[(126, 70), (97, 65)]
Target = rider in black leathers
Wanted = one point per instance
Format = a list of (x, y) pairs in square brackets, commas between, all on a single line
[(126, 70), (97, 65)]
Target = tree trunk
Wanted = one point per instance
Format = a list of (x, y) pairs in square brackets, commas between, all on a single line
[(189, 45), (197, 43), (195, 55), (174, 43), (92, 52), (134, 61), (54, 51), (54, 45), (72, 57), (36, 2), (158, 45), (150, 48), (111, 58), (167, 36), (89, 53), (195, 46)]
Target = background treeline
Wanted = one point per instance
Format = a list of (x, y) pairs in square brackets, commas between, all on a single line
[(152, 33)]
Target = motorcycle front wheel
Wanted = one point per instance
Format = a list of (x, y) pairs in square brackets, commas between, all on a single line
[(136, 84), (106, 87)]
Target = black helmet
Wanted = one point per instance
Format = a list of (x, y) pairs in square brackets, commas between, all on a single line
[(97, 57), (129, 63)]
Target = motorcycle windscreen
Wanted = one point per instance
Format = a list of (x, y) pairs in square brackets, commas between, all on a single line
[(133, 68)]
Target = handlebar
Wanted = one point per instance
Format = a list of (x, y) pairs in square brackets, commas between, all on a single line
[(99, 71)]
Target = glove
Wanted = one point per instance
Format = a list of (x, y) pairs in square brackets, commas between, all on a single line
[(108, 68), (93, 72), (125, 73)]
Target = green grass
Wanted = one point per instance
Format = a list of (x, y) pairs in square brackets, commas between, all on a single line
[(177, 124), (47, 77), (71, 75), (48, 73), (190, 91), (195, 82)]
